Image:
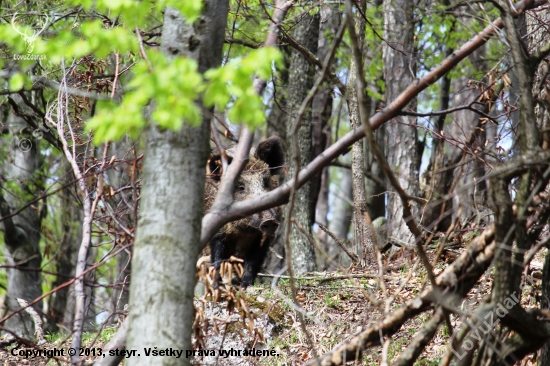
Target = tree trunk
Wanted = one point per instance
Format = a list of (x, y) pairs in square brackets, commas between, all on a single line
[(168, 236), (123, 150), (363, 234), (471, 188), (22, 231), (542, 37), (61, 303), (400, 134), (321, 112), (276, 121), (374, 191), (301, 73)]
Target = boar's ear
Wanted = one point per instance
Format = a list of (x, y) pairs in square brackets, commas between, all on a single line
[(271, 151)]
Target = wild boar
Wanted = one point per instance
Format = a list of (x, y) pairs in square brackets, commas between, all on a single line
[(250, 237)]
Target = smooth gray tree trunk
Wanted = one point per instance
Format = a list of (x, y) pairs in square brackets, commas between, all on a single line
[(168, 236)]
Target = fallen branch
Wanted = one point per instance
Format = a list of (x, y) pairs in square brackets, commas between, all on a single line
[(421, 339), (468, 267), (342, 245)]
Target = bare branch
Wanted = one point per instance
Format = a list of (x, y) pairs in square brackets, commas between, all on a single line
[(421, 339), (241, 42), (342, 245)]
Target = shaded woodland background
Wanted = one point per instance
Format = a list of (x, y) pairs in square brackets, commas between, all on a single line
[(417, 139)]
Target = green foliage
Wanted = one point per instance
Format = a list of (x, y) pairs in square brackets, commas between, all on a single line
[(172, 85), (234, 80), (17, 81), (95, 39), (169, 88)]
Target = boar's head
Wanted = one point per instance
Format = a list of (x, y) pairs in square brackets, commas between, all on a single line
[(248, 238)]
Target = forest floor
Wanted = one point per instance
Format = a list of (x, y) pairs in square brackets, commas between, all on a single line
[(334, 305)]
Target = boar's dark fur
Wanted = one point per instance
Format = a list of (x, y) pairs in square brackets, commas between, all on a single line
[(248, 238)]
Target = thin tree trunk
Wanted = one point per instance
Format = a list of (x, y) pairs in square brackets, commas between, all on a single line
[(321, 113), (301, 73), (119, 178), (374, 191), (471, 188), (363, 235), (61, 303), (167, 243)]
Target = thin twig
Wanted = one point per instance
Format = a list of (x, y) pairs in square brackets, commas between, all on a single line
[(342, 245), (116, 75)]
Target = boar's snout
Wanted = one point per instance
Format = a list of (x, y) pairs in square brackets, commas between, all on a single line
[(269, 226)]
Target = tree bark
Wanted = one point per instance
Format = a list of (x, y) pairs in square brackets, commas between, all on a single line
[(120, 177), (166, 248), (362, 232), (374, 191), (276, 121), (22, 231), (322, 109), (321, 113), (301, 73), (400, 133)]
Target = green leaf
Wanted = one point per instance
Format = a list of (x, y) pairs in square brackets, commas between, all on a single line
[(234, 81), (17, 82)]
